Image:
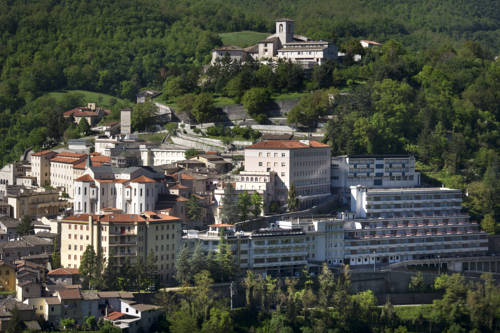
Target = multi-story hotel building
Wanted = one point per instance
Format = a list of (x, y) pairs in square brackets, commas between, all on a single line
[(398, 224), (131, 190), (373, 171), (325, 238), (304, 163), (122, 237), (271, 251), (61, 169), (164, 154)]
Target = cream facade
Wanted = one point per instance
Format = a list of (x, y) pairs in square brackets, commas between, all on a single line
[(304, 163), (165, 154), (121, 237), (40, 166), (128, 190), (35, 203)]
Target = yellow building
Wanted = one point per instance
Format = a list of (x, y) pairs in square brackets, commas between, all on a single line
[(122, 237), (35, 203), (7, 276)]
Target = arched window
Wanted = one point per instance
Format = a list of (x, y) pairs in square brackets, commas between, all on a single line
[(281, 28)]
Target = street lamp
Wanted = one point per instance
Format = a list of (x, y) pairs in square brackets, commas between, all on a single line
[(374, 260)]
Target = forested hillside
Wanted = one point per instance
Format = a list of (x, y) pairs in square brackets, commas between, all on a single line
[(433, 89)]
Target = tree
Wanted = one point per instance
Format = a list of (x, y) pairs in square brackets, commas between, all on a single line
[(255, 101), (203, 108), (256, 201), (293, 200), (192, 152), (310, 109), (184, 104), (193, 209), (417, 283), (225, 260), (15, 323), (26, 226), (56, 255), (67, 323), (143, 115), (244, 203), (83, 127), (198, 261), (220, 322), (326, 287), (229, 211), (488, 224), (182, 267), (90, 268)]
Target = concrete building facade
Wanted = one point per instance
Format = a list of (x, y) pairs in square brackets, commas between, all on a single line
[(122, 237), (304, 163)]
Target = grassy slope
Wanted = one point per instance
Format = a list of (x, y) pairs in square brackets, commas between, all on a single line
[(242, 38), (100, 99)]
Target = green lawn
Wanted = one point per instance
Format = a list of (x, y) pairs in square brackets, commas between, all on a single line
[(242, 38), (283, 97), (100, 99), (223, 101), (155, 138), (410, 313)]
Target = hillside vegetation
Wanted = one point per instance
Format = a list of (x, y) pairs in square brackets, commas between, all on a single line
[(242, 38), (432, 89)]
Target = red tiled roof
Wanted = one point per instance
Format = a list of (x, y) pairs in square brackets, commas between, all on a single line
[(179, 187), (186, 176), (43, 152), (64, 271), (84, 178), (69, 294), (114, 316), (286, 144), (58, 159), (221, 225), (143, 179), (121, 218), (181, 198), (70, 154), (80, 217)]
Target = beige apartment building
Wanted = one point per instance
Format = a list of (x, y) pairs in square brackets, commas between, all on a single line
[(122, 237), (61, 169), (304, 163), (35, 203), (40, 166)]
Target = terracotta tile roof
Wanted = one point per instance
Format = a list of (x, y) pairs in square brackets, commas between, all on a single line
[(70, 154), (179, 187), (114, 316), (286, 144), (69, 294), (221, 225), (186, 176), (64, 271), (43, 152), (58, 159), (181, 198), (52, 300), (143, 179), (79, 218), (84, 178)]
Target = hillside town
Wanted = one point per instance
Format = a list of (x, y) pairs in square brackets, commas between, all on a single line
[(260, 181), (281, 204)]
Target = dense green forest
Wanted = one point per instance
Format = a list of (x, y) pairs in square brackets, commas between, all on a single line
[(326, 303), (431, 90)]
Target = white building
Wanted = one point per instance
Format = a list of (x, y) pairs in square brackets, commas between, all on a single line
[(284, 44), (374, 171), (325, 236), (271, 251), (131, 190), (401, 224), (261, 182), (304, 163), (164, 154)]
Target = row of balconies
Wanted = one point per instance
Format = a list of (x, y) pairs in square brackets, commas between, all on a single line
[(413, 252), (408, 207), (281, 254), (413, 199), (419, 233), (352, 246)]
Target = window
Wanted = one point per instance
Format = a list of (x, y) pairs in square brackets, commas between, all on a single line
[(260, 163), (69, 246)]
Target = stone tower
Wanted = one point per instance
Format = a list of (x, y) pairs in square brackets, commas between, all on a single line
[(126, 121), (284, 30)]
